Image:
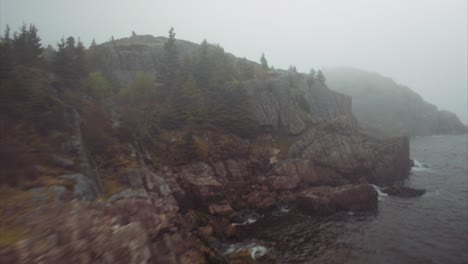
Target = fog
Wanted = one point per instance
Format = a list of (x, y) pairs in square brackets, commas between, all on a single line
[(419, 43)]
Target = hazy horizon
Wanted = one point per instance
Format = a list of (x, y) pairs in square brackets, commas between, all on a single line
[(420, 44)]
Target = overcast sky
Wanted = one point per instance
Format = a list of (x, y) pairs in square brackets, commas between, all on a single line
[(419, 43)]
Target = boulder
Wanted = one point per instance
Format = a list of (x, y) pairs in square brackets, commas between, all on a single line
[(199, 183), (325, 200), (220, 208), (261, 200)]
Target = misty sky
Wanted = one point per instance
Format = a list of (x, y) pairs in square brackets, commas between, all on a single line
[(419, 43)]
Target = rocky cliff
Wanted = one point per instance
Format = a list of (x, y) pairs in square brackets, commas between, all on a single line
[(387, 108), (305, 136)]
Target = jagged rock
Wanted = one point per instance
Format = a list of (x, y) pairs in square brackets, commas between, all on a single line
[(131, 175), (128, 193), (261, 200), (220, 170), (84, 188), (290, 173), (326, 200), (237, 169), (353, 155), (294, 171), (290, 101), (199, 184), (271, 105), (403, 191), (317, 175), (153, 182), (220, 208)]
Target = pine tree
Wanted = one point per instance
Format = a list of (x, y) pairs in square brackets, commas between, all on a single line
[(320, 76), (264, 62)]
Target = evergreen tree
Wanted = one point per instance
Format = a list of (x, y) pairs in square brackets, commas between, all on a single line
[(169, 63), (70, 60), (184, 106), (93, 44), (292, 69), (27, 45), (34, 43), (222, 67), (264, 62), (203, 67), (320, 76), (312, 72), (6, 58), (80, 60)]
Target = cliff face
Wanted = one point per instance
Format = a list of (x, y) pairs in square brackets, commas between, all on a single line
[(389, 109), (327, 135), (305, 136), (294, 102)]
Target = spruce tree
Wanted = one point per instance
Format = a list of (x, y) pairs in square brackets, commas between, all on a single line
[(264, 62), (203, 67), (27, 45), (320, 76), (169, 63), (93, 44), (70, 61), (312, 72), (6, 58)]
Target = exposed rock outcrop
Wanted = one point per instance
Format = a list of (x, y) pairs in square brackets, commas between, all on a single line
[(293, 101), (160, 214), (326, 200)]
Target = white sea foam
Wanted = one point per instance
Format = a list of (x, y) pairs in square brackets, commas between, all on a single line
[(246, 222), (419, 166), (379, 191), (255, 250)]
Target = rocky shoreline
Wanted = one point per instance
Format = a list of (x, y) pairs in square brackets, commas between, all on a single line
[(308, 151)]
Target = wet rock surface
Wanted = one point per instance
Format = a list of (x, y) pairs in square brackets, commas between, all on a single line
[(326, 200)]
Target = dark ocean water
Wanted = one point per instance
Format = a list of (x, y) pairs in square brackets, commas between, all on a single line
[(432, 228)]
